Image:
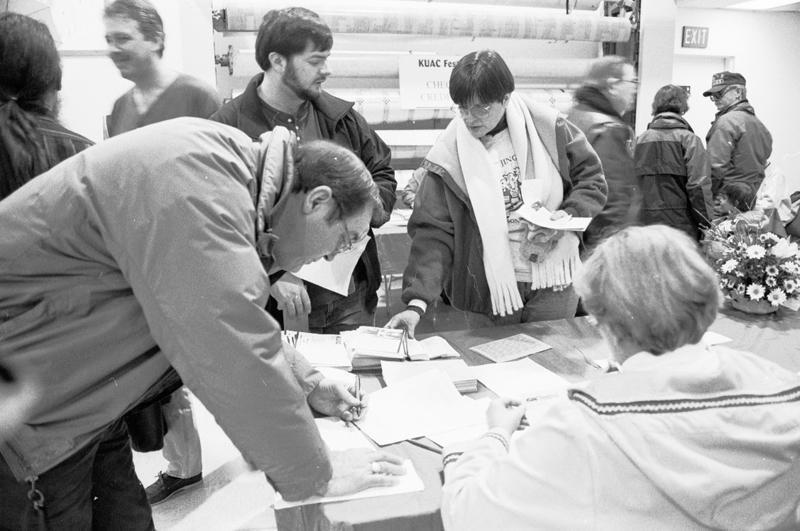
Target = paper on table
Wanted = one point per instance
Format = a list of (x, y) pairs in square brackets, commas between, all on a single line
[(511, 348), (431, 348), (712, 338), (338, 436), (475, 429), (519, 379), (334, 274), (397, 371), (541, 217), (412, 408), (322, 350)]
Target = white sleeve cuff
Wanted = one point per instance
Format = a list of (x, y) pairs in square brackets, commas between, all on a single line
[(419, 303)]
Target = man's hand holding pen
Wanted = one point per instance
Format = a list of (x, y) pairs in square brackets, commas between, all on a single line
[(334, 399)]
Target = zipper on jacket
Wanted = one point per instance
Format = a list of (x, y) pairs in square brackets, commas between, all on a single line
[(36, 498)]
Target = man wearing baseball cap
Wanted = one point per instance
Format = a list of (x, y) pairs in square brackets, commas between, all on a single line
[(739, 144)]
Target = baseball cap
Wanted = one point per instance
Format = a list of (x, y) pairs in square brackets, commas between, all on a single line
[(720, 80)]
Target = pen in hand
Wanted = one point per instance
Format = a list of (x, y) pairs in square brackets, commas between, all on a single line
[(357, 409)]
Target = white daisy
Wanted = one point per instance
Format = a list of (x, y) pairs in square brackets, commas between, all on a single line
[(772, 270), (729, 266), (789, 286), (776, 297), (755, 291), (771, 282), (756, 251)]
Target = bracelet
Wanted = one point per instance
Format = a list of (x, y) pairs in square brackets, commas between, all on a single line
[(417, 309)]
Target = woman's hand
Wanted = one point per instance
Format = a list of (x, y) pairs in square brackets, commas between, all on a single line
[(505, 414)]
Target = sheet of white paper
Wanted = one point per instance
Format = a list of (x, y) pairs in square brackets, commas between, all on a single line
[(323, 350), (413, 408), (397, 371), (712, 338), (511, 348), (519, 379), (541, 217), (431, 348), (335, 274), (474, 430), (338, 436)]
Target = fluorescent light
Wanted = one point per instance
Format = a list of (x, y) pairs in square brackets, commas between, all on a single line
[(761, 4)]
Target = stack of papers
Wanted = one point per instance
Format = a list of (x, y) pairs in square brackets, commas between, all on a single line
[(338, 436), (456, 370), (321, 350), (368, 345), (415, 407), (511, 348), (523, 379)]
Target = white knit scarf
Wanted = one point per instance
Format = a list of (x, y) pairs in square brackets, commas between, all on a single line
[(481, 182)]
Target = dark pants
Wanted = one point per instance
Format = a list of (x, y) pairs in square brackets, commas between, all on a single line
[(336, 314), (96, 488)]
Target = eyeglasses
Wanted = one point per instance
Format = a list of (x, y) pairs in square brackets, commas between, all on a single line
[(478, 111), (634, 81), (345, 243), (719, 95)]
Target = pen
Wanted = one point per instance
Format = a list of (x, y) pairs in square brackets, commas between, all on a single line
[(435, 448), (357, 409)]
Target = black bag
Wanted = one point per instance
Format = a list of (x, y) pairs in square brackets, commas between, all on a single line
[(147, 427)]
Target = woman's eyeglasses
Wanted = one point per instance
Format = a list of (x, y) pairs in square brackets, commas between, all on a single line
[(478, 111)]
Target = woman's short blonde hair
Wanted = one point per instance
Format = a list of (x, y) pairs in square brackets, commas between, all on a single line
[(651, 287)]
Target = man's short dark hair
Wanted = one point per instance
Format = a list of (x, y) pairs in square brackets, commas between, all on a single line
[(671, 98), (288, 31), (323, 163), (480, 76), (150, 24)]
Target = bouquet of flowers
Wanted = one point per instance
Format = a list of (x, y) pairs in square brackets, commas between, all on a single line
[(754, 265)]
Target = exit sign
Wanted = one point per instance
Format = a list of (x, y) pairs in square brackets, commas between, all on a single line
[(694, 37)]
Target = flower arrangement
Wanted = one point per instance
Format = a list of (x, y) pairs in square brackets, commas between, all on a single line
[(754, 265)]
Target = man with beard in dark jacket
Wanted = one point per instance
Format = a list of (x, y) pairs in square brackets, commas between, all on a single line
[(607, 94), (739, 144), (292, 48)]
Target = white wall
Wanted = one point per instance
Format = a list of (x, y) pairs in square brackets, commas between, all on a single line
[(656, 33), (764, 47), (91, 82)]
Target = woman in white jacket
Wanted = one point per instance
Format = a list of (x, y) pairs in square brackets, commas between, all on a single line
[(683, 437)]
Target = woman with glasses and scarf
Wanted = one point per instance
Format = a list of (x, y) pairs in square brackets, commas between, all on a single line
[(501, 151)]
